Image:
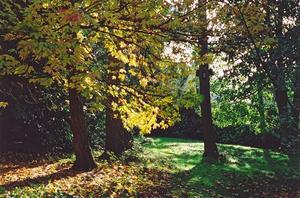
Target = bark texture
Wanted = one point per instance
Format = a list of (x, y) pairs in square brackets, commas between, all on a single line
[(281, 95), (209, 134), (84, 159), (118, 139)]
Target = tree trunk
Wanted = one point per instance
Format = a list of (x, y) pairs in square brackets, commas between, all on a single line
[(84, 159), (296, 99), (118, 139), (209, 135), (281, 96)]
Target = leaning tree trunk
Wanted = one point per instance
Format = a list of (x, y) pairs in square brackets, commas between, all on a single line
[(84, 159), (209, 135)]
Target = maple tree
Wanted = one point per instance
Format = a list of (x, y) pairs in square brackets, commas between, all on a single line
[(53, 43)]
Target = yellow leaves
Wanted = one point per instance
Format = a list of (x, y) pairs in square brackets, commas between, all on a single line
[(132, 72), (22, 69), (143, 82), (122, 44), (8, 64), (56, 35), (79, 53), (80, 36), (3, 104), (45, 5), (88, 80), (145, 119), (205, 59), (123, 71), (132, 60), (114, 105), (46, 82), (122, 76), (95, 38)]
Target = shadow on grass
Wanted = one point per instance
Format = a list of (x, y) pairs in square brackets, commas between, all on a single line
[(244, 170), (67, 172)]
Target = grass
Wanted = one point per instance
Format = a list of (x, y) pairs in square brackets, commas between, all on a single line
[(167, 167), (245, 171)]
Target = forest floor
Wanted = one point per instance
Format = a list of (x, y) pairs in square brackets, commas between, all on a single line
[(166, 167)]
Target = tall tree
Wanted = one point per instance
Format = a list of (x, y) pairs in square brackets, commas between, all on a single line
[(204, 72), (59, 38)]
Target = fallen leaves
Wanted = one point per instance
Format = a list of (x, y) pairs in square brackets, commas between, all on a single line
[(54, 177)]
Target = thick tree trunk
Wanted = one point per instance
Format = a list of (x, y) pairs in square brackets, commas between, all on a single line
[(209, 135), (118, 139), (84, 159)]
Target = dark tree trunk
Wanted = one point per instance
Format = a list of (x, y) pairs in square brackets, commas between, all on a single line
[(296, 99), (84, 159), (281, 96), (282, 105), (209, 134), (118, 139)]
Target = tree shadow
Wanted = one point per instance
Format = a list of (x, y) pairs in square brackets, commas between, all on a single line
[(66, 172), (4, 170), (241, 171), (16, 162)]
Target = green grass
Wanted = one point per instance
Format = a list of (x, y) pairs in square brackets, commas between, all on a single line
[(244, 171)]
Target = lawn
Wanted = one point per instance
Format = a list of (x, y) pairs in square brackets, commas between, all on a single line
[(167, 167), (243, 172)]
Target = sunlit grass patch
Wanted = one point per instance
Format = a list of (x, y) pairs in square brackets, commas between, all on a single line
[(240, 173)]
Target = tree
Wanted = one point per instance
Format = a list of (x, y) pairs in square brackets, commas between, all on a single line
[(209, 136), (53, 44), (266, 44)]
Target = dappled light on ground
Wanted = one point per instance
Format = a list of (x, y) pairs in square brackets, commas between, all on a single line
[(57, 179), (166, 168), (242, 171)]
